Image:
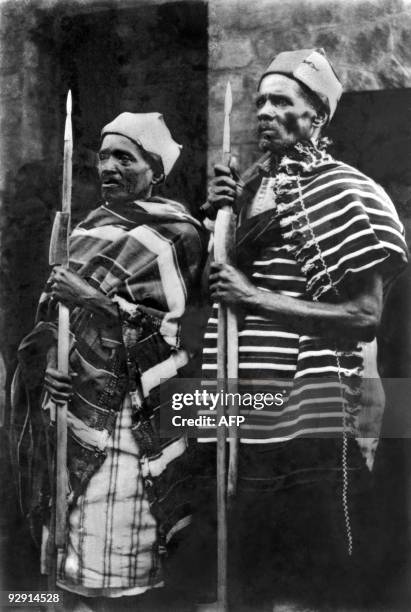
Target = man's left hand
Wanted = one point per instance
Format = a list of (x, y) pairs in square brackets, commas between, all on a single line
[(230, 286), (69, 288)]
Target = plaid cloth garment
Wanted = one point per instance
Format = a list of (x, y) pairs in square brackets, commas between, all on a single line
[(111, 544)]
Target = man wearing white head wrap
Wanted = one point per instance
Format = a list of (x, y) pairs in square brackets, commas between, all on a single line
[(134, 266), (317, 245)]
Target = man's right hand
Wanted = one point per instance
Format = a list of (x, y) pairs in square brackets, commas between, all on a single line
[(58, 384), (223, 188)]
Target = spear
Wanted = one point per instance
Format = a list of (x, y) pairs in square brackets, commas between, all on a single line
[(227, 370), (59, 255)]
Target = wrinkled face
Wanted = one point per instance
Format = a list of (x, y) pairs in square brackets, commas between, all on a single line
[(284, 116), (124, 173)]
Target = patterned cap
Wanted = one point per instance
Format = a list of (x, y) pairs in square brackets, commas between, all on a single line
[(149, 131), (312, 68)]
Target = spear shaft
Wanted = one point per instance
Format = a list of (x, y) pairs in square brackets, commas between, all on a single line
[(59, 255), (63, 341), (227, 372)]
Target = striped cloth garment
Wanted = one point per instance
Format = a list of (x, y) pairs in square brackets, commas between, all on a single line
[(145, 256), (304, 231)]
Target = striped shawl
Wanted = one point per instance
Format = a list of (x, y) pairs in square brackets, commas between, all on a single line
[(306, 228), (146, 256)]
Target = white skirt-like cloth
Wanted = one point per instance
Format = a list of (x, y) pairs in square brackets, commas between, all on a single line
[(111, 547)]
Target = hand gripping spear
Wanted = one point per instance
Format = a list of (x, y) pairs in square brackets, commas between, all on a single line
[(227, 372), (59, 255)]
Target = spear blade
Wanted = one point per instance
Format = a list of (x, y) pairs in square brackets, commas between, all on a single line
[(68, 102), (228, 100), (58, 252), (68, 157), (228, 104)]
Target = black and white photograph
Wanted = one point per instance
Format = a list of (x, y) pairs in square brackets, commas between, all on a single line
[(205, 305)]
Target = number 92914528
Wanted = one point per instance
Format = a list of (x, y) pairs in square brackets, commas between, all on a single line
[(30, 598)]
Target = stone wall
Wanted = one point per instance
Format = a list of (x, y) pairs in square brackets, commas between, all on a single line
[(27, 100), (366, 40)]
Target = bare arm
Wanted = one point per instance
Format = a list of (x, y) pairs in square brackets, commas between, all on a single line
[(357, 316), (72, 290)]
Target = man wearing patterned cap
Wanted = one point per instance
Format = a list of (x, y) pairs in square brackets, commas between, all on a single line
[(317, 244), (134, 265)]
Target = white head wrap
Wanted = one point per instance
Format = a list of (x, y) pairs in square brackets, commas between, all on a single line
[(149, 131)]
